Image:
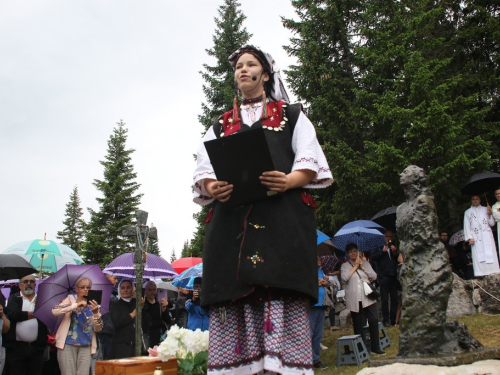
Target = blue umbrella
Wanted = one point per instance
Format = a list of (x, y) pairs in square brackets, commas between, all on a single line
[(364, 224), (366, 239), (186, 278), (321, 237)]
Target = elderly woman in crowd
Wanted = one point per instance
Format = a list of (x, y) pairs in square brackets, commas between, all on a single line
[(353, 273), (123, 313), (75, 337)]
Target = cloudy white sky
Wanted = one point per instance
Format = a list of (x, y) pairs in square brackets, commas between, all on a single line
[(69, 70)]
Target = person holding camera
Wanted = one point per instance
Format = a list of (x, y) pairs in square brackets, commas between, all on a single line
[(198, 316), (387, 259)]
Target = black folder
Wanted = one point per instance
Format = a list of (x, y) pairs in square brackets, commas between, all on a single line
[(240, 159)]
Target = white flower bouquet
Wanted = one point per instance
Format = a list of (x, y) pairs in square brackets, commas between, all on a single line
[(189, 347)]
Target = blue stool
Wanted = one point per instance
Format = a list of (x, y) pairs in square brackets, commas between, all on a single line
[(355, 352), (383, 337)]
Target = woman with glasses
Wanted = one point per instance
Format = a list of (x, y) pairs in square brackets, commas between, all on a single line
[(75, 337)]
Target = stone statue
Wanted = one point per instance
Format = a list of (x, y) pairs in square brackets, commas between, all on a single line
[(426, 276)]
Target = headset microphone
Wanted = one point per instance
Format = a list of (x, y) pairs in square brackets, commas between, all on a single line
[(254, 78)]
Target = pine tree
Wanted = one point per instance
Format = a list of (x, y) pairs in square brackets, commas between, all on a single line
[(186, 250), (117, 206), (219, 86), (396, 83), (173, 257), (73, 233), (326, 80)]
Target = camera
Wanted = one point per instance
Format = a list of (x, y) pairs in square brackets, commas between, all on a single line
[(198, 296), (389, 244)]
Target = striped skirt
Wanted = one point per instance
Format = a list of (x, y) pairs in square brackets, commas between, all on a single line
[(248, 337)]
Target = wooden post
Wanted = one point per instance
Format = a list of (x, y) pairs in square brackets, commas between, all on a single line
[(142, 233)]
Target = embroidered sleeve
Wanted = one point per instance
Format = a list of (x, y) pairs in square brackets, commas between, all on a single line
[(308, 153), (203, 170)]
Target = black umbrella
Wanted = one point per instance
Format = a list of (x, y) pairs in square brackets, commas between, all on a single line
[(481, 183), (13, 266), (386, 218)]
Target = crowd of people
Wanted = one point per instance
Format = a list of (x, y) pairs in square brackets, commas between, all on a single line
[(84, 335)]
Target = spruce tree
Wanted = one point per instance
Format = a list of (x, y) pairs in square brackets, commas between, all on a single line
[(396, 83), (173, 257), (153, 247), (74, 227), (219, 87), (120, 199), (325, 79), (186, 250)]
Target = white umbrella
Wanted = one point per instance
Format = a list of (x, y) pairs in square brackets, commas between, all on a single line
[(167, 285)]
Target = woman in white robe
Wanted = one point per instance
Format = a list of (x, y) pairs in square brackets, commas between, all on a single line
[(478, 221)]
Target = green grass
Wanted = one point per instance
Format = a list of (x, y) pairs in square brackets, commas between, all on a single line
[(485, 328)]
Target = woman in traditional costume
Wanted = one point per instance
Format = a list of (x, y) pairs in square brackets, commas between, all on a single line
[(260, 259)]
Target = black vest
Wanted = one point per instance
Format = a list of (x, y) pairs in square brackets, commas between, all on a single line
[(269, 243)]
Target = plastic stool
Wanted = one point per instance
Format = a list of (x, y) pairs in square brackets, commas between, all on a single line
[(383, 337), (355, 356)]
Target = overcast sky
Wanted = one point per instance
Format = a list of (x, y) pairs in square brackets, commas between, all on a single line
[(69, 70)]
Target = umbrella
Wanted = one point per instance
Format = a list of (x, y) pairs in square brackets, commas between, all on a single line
[(328, 263), (166, 290), (167, 286), (364, 224), (186, 278), (180, 265), (155, 267), (13, 266), (386, 218), (321, 237), (53, 255), (481, 183), (366, 239), (457, 237), (55, 288), (325, 245)]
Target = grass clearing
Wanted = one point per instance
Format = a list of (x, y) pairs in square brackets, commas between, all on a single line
[(485, 328)]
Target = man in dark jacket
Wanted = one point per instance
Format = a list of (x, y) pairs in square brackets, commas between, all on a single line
[(386, 259), (26, 340), (155, 316)]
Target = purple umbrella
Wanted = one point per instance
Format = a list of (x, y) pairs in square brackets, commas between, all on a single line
[(155, 267), (55, 288)]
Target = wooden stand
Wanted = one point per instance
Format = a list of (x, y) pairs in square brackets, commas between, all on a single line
[(135, 366)]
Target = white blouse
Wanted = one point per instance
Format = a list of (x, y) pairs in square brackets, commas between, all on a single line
[(308, 155)]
